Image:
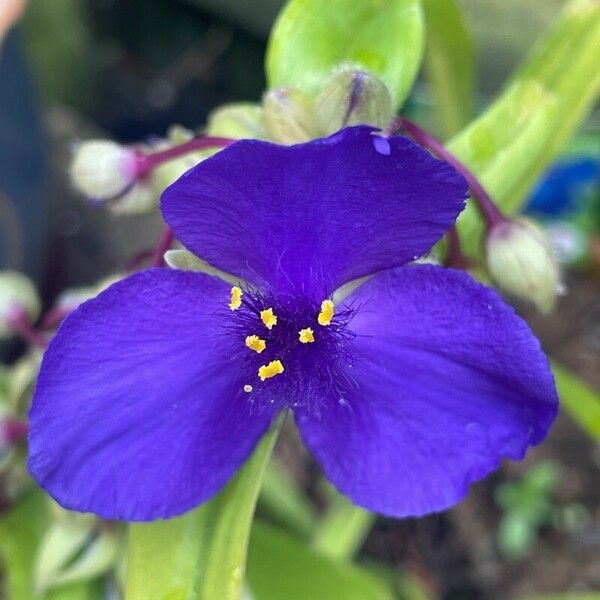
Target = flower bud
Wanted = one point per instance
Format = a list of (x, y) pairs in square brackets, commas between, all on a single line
[(17, 294), (288, 116), (141, 198), (103, 169), (353, 96), (521, 260), (240, 120)]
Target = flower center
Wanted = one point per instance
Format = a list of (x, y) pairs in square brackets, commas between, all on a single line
[(292, 349)]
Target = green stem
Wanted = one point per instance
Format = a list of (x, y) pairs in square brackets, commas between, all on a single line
[(342, 530)]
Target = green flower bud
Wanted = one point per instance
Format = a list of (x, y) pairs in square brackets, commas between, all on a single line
[(240, 120), (141, 198), (102, 169), (521, 260), (288, 116), (353, 96), (17, 293)]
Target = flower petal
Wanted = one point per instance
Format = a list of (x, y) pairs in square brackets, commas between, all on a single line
[(320, 213), (138, 412), (448, 382)]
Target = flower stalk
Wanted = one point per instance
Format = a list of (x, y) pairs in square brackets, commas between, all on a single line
[(490, 212), (19, 322), (145, 163)]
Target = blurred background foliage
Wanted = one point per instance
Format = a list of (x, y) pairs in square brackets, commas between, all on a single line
[(128, 69)]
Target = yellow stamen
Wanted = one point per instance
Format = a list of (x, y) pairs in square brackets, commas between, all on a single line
[(247, 388), (236, 298), (326, 314), (255, 343), (307, 335), (275, 367), (268, 317)]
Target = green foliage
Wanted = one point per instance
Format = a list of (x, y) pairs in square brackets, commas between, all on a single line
[(21, 530), (201, 555), (450, 63), (578, 400), (311, 38), (527, 506), (281, 567), (343, 528), (511, 144)]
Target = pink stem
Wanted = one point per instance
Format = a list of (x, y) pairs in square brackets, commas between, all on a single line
[(489, 210), (147, 162), (13, 430), (454, 254), (165, 242), (53, 317), (19, 323)]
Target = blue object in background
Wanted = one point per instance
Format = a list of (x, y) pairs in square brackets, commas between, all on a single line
[(22, 206), (562, 190)]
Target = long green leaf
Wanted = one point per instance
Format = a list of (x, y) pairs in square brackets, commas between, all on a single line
[(342, 530), (578, 400), (226, 562), (311, 38), (521, 133), (282, 568), (202, 554), (450, 63), (163, 557)]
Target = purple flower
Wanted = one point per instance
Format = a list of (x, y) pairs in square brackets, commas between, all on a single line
[(413, 386)]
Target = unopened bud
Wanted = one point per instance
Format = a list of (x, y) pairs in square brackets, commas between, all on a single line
[(288, 116), (141, 198), (521, 260), (240, 120), (17, 295), (103, 169), (353, 97)]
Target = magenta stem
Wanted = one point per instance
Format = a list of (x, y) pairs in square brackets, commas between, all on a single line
[(488, 209), (165, 242), (19, 323), (147, 162), (13, 430), (454, 255)]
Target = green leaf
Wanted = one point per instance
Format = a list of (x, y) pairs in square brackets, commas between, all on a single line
[(163, 557), (342, 530), (280, 566), (202, 554), (522, 132), (223, 576), (21, 529), (450, 63), (311, 38), (578, 400), (281, 499)]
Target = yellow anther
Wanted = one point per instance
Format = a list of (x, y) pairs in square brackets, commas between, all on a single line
[(247, 388), (306, 336), (236, 298), (275, 367), (327, 312), (255, 343), (269, 318)]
